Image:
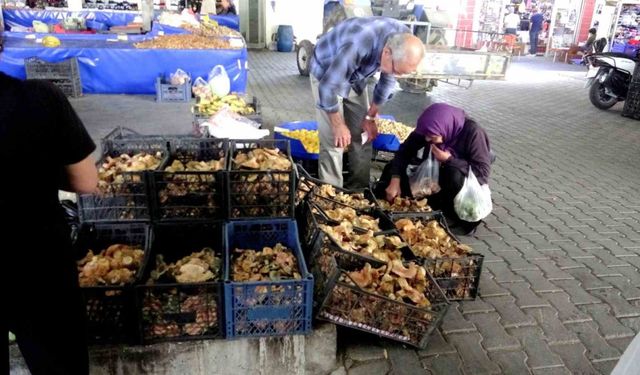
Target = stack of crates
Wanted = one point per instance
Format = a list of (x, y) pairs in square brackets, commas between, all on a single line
[(65, 74)]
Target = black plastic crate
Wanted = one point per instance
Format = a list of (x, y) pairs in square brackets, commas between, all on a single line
[(126, 199), (65, 74), (322, 200), (191, 195), (172, 311), (266, 308), (350, 306), (122, 133), (37, 68), (459, 277), (257, 193), (111, 312)]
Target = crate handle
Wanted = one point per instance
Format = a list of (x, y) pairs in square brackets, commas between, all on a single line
[(270, 313)]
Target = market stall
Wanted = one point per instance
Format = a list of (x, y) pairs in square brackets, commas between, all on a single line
[(129, 63)]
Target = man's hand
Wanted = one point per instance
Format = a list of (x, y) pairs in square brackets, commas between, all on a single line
[(370, 127), (393, 190), (341, 136), (440, 155)]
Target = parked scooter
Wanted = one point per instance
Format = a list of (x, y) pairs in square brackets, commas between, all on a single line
[(609, 77)]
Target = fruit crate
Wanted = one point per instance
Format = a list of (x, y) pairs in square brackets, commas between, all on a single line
[(127, 198), (260, 193), (199, 118), (459, 277), (320, 198), (65, 74), (340, 302), (266, 308), (191, 195), (172, 311), (111, 313), (167, 92), (121, 133)]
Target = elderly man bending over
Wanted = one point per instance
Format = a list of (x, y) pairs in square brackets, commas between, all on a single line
[(343, 59)]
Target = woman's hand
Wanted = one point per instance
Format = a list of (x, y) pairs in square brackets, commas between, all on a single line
[(393, 190), (440, 155)]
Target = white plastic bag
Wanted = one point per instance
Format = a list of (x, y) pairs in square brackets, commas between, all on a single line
[(219, 81), (424, 181), (200, 88), (180, 77), (473, 202), (228, 124), (630, 361)]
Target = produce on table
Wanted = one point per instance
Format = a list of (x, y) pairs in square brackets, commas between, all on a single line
[(265, 190), (405, 205), (396, 128), (355, 200), (309, 138), (185, 41), (198, 267), (211, 104), (189, 194), (115, 266), (271, 264), (161, 304), (383, 248), (212, 30)]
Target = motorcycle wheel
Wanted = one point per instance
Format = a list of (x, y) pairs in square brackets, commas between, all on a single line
[(598, 97), (305, 51)]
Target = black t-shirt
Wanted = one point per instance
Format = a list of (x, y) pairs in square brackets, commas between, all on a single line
[(40, 134)]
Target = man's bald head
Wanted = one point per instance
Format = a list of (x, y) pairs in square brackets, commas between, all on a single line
[(406, 51)]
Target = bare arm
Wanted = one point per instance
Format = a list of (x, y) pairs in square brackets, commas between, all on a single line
[(82, 177)]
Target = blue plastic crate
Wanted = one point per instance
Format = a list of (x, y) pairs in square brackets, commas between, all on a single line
[(386, 142), (298, 151), (266, 308)]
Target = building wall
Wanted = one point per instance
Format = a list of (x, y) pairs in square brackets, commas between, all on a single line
[(588, 7), (466, 17)]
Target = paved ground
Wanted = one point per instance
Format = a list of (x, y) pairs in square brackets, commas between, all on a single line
[(560, 291)]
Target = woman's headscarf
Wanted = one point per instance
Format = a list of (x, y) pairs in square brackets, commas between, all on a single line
[(443, 120)]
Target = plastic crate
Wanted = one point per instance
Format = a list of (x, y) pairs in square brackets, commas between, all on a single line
[(191, 195), (111, 313), (122, 133), (388, 212), (350, 306), (128, 199), (166, 92), (298, 152), (260, 194), (459, 277), (171, 311), (266, 308), (65, 74)]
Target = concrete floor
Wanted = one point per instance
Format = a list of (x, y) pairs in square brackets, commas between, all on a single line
[(560, 289)]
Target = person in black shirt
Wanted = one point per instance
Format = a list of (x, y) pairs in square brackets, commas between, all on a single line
[(44, 147), (457, 142)]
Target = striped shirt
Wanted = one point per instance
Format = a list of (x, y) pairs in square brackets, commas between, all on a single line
[(349, 54)]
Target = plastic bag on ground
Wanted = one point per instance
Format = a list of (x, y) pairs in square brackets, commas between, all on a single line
[(629, 363), (200, 88), (424, 181), (180, 77), (219, 81), (228, 124), (473, 202)]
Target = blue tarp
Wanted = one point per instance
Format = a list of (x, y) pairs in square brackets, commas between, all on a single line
[(119, 68), (25, 17)]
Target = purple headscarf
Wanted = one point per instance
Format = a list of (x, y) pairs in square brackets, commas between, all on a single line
[(444, 120)]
